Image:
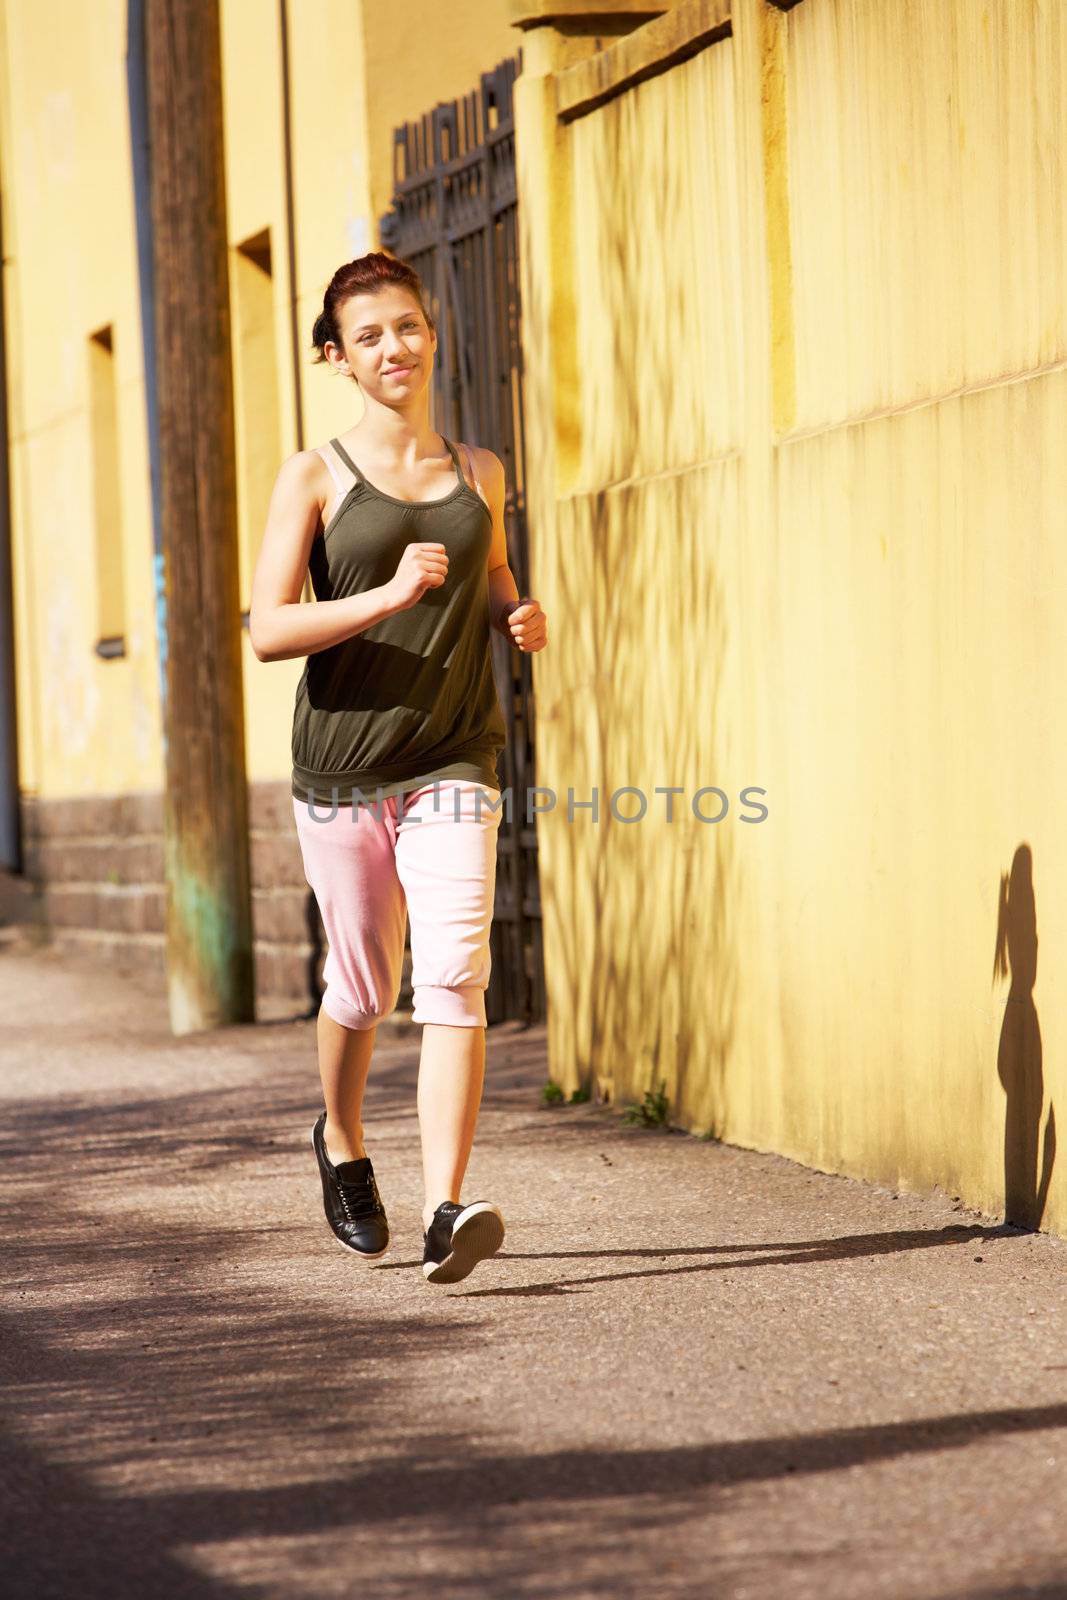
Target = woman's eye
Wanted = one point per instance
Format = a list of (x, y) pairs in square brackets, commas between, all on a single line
[(368, 336)]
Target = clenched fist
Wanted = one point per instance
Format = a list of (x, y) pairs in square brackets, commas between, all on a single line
[(527, 624), (422, 566)]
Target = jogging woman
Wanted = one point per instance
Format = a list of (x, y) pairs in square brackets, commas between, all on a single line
[(396, 732)]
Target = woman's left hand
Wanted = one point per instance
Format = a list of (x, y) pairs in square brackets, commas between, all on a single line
[(528, 625)]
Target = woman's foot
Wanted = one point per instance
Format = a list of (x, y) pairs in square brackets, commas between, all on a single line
[(458, 1237), (351, 1201)]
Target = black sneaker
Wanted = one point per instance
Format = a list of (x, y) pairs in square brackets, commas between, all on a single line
[(350, 1196), (459, 1237)]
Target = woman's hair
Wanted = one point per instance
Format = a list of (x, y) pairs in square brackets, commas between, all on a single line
[(366, 275)]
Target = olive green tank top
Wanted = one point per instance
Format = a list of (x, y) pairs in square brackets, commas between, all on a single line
[(413, 697)]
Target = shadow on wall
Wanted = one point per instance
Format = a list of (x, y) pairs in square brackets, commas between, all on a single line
[(1019, 1062)]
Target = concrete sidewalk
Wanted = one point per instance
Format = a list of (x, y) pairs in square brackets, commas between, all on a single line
[(692, 1370)]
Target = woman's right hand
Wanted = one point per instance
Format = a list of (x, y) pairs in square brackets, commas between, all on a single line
[(422, 566)]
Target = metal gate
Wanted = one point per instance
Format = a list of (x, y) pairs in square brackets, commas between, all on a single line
[(454, 217)]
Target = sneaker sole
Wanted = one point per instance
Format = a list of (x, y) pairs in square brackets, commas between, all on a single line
[(479, 1232), (350, 1249), (361, 1255)]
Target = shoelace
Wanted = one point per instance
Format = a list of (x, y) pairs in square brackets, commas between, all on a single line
[(359, 1200)]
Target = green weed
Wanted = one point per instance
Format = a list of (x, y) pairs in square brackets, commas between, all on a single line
[(552, 1094), (652, 1112)]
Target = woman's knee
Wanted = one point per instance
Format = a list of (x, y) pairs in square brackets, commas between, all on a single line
[(362, 978), (355, 1014), (458, 1006)]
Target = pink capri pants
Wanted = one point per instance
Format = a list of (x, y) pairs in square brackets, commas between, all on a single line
[(371, 866)]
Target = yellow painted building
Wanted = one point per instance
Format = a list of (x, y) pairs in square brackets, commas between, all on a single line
[(78, 434), (90, 752), (793, 297)]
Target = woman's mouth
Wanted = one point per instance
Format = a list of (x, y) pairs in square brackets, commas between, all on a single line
[(396, 372)]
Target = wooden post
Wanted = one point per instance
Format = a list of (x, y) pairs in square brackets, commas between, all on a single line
[(209, 919)]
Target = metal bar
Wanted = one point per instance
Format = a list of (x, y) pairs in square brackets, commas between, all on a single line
[(454, 217)]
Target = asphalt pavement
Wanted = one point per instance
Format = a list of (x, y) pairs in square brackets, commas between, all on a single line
[(692, 1370)]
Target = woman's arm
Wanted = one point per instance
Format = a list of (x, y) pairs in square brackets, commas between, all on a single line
[(522, 622), (280, 625)]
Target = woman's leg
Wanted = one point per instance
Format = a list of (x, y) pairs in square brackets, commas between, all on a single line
[(451, 1074), (447, 865), (344, 1062), (349, 864)]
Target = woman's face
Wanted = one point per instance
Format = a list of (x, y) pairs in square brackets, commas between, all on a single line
[(388, 346)]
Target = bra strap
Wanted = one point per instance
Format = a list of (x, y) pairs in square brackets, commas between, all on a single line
[(326, 457), (347, 459), (474, 475)]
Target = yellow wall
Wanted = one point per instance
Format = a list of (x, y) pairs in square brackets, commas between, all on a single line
[(796, 393), (86, 725), (79, 451)]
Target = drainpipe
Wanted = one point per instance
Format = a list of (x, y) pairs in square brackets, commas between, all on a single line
[(290, 219), (137, 97), (10, 822)]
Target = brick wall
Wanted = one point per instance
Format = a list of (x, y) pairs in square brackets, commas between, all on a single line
[(93, 871)]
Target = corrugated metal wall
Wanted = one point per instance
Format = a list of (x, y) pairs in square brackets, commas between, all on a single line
[(796, 308)]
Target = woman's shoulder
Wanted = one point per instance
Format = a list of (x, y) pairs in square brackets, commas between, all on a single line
[(305, 465), (305, 474), (482, 455), (488, 467)]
